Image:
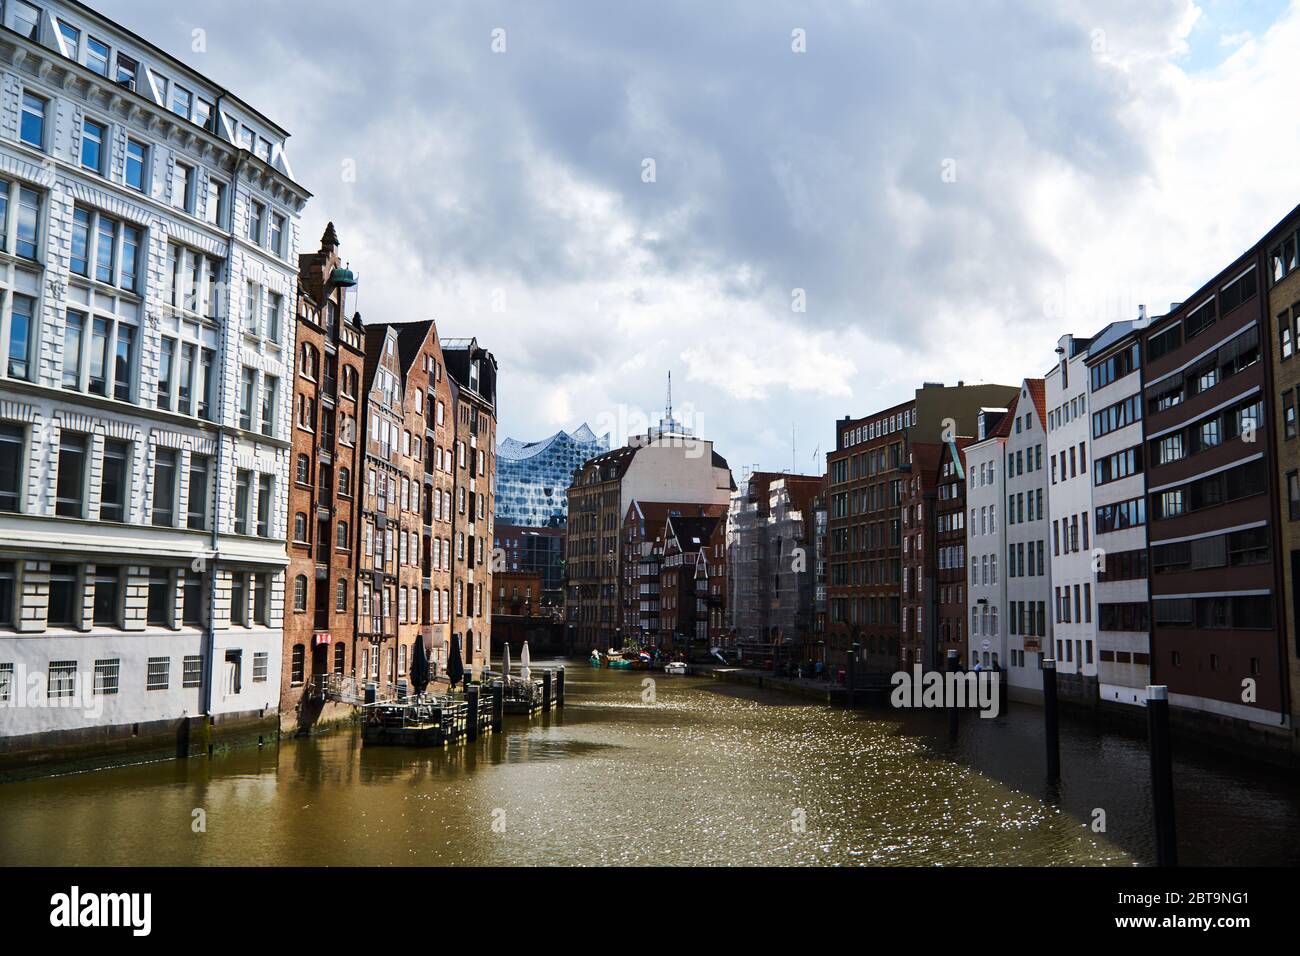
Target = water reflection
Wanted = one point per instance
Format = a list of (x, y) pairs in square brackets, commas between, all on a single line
[(708, 774)]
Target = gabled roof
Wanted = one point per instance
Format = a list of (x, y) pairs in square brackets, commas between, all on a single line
[(1038, 393), (691, 533), (656, 513), (1003, 428)]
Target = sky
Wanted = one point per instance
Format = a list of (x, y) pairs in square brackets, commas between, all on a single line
[(803, 210)]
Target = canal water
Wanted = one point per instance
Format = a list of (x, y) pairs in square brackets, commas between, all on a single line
[(700, 772)]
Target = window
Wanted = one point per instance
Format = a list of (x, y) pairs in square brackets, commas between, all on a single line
[(108, 596), (252, 300), (265, 494), (197, 505), (300, 527), (274, 315), (239, 599), (70, 493), (297, 665), (32, 128), (18, 330), (182, 101), (300, 593), (107, 673), (70, 37), (25, 19), (256, 214), (341, 599), (159, 673), (114, 480), (11, 466), (97, 55), (164, 488), (27, 228), (92, 146), (247, 388), (136, 156), (260, 660), (183, 187), (243, 489), (215, 209), (192, 673), (276, 239), (270, 400), (159, 609), (262, 599), (192, 602), (64, 608), (127, 69), (303, 473)]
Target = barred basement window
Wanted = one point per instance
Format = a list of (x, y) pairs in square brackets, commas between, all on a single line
[(192, 671), (61, 680), (297, 665), (259, 666), (106, 675), (159, 676), (7, 682)]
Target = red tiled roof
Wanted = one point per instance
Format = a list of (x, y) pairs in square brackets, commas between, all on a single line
[(1038, 392), (1003, 428)]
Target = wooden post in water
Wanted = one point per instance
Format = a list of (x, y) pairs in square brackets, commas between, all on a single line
[(952, 704), (850, 668), (471, 698), (546, 691), (498, 706), (559, 686), (1050, 728), (1162, 774)]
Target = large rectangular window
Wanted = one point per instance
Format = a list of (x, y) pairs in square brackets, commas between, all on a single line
[(200, 470), (164, 488), (243, 493), (108, 596), (70, 489), (247, 389), (32, 127), (114, 480), (18, 330), (11, 465), (92, 145), (161, 598), (265, 501), (64, 608), (137, 156)]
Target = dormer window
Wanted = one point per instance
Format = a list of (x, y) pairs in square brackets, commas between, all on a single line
[(182, 101), (97, 56), (25, 20), (127, 70), (71, 38)]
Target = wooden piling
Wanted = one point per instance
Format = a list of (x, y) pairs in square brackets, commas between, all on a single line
[(1051, 730), (559, 686), (546, 691), (471, 724), (952, 704), (498, 706), (1162, 774)]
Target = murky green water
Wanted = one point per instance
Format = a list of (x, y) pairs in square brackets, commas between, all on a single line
[(709, 773)]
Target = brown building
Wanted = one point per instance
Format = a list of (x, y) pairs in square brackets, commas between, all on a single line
[(643, 553), (472, 371), (1212, 511), (318, 620), (692, 579), (867, 480)]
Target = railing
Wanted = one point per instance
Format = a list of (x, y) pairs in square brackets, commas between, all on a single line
[(337, 687)]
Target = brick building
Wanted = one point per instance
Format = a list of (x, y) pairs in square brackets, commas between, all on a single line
[(691, 583), (319, 619)]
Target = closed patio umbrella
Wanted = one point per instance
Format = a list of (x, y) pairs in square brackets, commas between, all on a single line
[(419, 667), (524, 671), (505, 666), (455, 669)]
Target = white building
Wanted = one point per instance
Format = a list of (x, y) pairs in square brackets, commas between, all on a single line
[(985, 494), (1074, 605), (1029, 582), (148, 250), (1119, 515)]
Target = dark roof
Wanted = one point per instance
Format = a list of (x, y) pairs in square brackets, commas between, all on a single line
[(411, 337), (691, 533), (1003, 428)]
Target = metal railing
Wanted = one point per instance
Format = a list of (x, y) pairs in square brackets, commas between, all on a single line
[(337, 687)]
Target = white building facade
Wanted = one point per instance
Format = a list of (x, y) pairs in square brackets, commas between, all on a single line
[(987, 594), (147, 282), (1029, 582), (1070, 514), (1119, 514)]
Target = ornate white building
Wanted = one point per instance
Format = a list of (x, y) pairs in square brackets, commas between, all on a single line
[(148, 251)]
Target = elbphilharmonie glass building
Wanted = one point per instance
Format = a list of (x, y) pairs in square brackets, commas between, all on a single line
[(533, 477)]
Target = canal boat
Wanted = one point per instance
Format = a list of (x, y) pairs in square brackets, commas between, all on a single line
[(676, 667)]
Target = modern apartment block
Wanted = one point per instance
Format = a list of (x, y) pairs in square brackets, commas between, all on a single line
[(771, 565), (986, 538), (867, 471), (1215, 571), (1114, 415), (532, 477), (320, 617), (665, 464), (148, 222)]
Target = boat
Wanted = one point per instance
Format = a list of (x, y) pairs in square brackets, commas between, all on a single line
[(676, 667), (594, 660), (618, 663)]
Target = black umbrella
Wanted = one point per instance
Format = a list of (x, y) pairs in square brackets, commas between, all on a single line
[(455, 669), (419, 667)]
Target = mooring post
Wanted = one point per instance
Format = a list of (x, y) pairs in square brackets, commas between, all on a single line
[(546, 691), (498, 706), (559, 686), (952, 704), (1050, 728), (1162, 774), (471, 698), (850, 669)]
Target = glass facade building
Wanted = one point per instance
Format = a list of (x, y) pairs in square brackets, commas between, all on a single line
[(532, 478)]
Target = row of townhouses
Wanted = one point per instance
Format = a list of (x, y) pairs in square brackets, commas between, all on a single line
[(215, 485), (1131, 513)]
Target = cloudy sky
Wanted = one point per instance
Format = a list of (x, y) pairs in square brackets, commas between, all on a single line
[(929, 191)]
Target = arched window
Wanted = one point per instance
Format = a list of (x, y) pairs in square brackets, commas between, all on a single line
[(310, 361), (300, 528), (345, 481), (300, 593), (342, 537), (304, 470), (341, 596), (298, 666)]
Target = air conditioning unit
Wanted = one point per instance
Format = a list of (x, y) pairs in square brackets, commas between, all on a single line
[(128, 82)]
